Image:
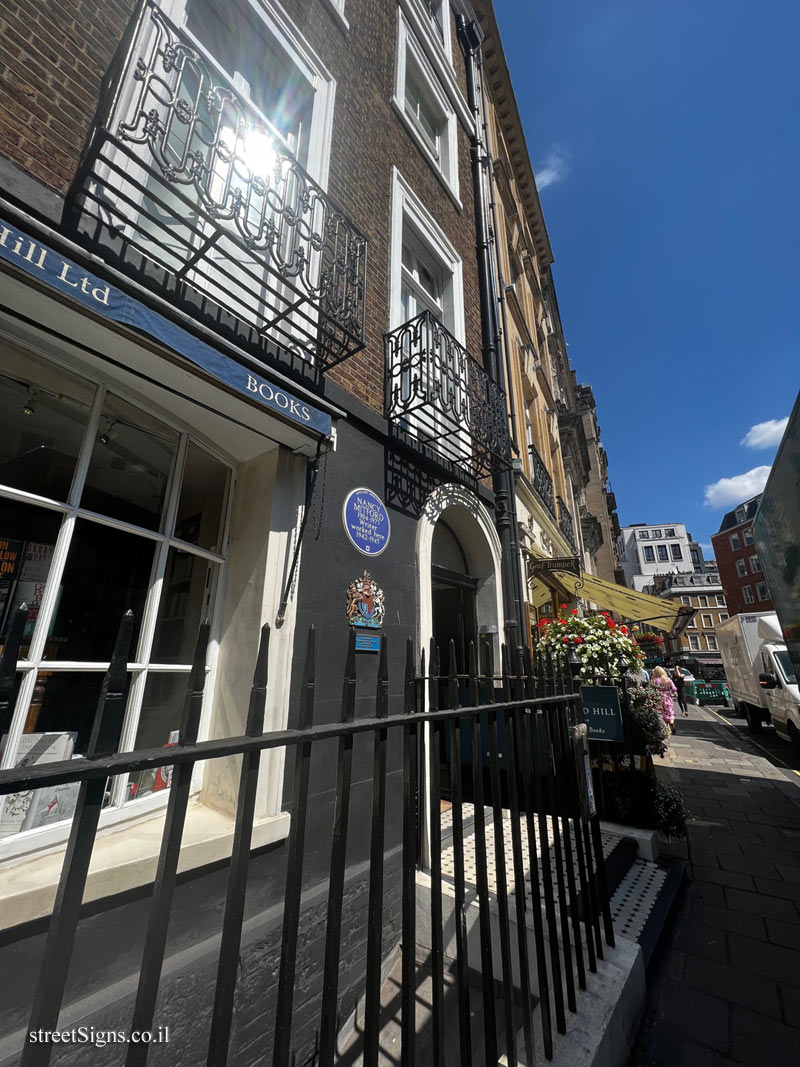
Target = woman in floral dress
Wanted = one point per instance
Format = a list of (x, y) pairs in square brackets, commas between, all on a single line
[(660, 678)]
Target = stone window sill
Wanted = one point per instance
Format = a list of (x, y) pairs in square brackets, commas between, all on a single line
[(124, 858)]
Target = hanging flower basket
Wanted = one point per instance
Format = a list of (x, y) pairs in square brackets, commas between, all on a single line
[(606, 650), (650, 639)]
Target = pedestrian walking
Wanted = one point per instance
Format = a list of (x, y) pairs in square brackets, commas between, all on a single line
[(680, 685), (660, 678)]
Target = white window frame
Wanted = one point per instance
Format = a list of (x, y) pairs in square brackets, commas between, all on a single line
[(119, 809), (741, 568), (720, 600), (669, 532), (711, 643), (747, 594), (702, 601), (336, 8), (759, 587), (643, 535), (723, 616), (649, 548), (408, 210), (663, 553), (755, 564), (735, 542), (747, 536), (445, 165), (694, 643), (657, 533), (686, 600), (708, 622), (676, 552)]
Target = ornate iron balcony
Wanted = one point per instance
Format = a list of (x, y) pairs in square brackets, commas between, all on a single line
[(565, 522), (186, 187), (438, 395), (542, 481)]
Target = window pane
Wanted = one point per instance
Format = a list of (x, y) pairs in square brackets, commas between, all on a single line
[(57, 726), (107, 572), (159, 724), (27, 539), (202, 501), (186, 599), (43, 415), (130, 466)]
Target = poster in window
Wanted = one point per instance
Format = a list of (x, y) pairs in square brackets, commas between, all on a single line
[(39, 807)]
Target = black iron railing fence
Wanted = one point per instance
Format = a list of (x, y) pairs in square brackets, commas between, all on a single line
[(441, 397), (542, 480), (506, 748), (185, 186), (565, 522)]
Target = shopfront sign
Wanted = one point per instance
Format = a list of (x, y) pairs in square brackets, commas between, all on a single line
[(602, 712), (565, 564), (366, 521), (54, 270)]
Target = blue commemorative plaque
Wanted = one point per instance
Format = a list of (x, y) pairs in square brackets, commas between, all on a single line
[(366, 521)]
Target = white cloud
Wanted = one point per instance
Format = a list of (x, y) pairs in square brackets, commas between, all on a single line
[(737, 489), (765, 434), (553, 169)]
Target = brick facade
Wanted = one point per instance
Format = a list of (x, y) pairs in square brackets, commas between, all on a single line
[(53, 59), (740, 569)]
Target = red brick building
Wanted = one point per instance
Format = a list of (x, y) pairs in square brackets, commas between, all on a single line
[(735, 550)]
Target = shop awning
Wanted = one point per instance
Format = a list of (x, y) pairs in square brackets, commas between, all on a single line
[(660, 612)]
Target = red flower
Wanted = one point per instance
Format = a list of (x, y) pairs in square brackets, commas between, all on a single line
[(574, 611), (578, 640), (566, 640), (623, 629), (563, 622), (611, 624)]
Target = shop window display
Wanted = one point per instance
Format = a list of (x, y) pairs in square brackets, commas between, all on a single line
[(104, 507)]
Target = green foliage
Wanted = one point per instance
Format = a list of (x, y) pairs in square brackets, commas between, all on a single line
[(648, 729), (670, 810)]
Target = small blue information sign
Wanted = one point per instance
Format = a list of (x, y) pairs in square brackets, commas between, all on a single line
[(368, 642), (603, 712), (366, 521)]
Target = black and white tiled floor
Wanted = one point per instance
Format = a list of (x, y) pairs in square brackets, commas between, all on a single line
[(631, 904)]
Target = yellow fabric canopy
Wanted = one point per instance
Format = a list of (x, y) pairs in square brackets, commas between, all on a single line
[(661, 612)]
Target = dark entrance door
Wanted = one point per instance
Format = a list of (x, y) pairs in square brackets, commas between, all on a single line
[(454, 615)]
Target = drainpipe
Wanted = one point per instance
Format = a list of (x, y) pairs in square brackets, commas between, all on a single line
[(470, 37)]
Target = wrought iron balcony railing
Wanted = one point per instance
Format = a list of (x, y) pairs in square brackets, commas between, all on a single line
[(542, 481), (437, 394), (185, 186), (566, 523)]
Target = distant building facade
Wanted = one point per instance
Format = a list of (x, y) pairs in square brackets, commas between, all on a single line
[(599, 521), (703, 592), (743, 580), (647, 551)]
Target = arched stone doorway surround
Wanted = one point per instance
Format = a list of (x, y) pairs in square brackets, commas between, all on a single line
[(471, 523)]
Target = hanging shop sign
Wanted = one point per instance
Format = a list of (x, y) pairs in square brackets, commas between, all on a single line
[(565, 564), (365, 604), (54, 270), (366, 521), (602, 712)]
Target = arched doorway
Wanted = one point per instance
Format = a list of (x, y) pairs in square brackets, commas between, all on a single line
[(458, 571)]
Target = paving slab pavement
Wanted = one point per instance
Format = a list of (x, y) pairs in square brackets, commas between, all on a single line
[(727, 990)]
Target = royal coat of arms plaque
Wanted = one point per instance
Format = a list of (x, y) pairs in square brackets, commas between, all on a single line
[(365, 605)]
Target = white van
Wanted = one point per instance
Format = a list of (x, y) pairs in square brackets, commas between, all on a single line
[(760, 675)]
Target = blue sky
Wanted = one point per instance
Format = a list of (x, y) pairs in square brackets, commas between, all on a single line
[(664, 134)]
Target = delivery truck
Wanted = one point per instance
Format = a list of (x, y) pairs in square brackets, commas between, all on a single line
[(761, 678)]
